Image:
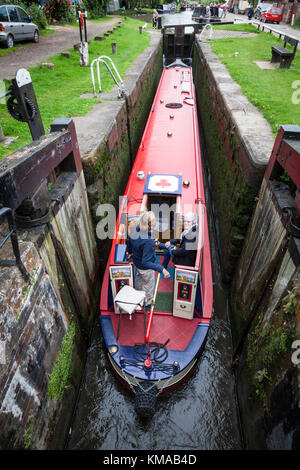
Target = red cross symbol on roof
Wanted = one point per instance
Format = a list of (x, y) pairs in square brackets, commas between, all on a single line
[(163, 183)]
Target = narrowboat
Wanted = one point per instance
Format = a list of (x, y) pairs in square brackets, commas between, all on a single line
[(152, 352)]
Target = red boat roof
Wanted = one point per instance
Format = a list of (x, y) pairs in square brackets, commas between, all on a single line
[(169, 145)]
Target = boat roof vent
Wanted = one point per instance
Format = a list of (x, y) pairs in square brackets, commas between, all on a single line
[(173, 105)]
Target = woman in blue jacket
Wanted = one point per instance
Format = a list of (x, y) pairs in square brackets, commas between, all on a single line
[(140, 244)]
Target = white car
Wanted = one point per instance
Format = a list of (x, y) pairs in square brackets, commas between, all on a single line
[(16, 25)]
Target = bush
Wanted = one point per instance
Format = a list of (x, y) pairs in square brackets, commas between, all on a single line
[(38, 16), (59, 10), (96, 8)]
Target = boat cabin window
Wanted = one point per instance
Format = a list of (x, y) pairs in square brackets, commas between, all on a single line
[(162, 195), (165, 208)]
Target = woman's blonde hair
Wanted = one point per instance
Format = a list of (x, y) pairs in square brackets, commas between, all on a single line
[(147, 221)]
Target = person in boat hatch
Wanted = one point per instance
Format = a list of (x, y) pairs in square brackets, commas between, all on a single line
[(141, 248), (185, 254)]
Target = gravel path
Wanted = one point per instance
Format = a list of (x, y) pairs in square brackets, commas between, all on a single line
[(64, 38)]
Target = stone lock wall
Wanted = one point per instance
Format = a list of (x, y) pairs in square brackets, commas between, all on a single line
[(45, 320), (33, 324), (260, 256), (266, 300), (266, 304)]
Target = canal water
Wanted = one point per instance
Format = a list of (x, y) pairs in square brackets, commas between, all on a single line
[(201, 415)]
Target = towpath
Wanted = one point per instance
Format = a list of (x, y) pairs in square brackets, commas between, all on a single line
[(282, 27), (32, 54)]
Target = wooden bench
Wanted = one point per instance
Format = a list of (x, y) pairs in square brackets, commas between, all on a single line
[(283, 55)]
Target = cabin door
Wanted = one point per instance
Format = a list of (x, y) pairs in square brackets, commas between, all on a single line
[(165, 209)]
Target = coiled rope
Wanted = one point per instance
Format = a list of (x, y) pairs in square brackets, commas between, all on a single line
[(159, 352)]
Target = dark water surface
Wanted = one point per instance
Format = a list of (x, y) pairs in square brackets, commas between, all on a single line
[(201, 415)]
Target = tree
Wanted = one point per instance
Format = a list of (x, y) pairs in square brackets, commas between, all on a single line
[(59, 10), (96, 8)]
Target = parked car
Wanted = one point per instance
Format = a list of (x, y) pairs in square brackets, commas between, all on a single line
[(260, 8), (272, 15), (16, 25)]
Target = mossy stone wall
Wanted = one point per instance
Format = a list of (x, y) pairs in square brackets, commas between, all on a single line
[(265, 305)]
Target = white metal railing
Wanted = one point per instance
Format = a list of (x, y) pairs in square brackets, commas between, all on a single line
[(114, 74), (207, 26)]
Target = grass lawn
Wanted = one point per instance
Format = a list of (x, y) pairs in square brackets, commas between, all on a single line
[(248, 28), (58, 91), (269, 90)]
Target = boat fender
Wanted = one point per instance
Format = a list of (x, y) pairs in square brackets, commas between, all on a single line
[(145, 399)]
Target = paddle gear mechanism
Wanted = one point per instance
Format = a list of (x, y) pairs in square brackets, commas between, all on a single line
[(22, 103), (16, 109)]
